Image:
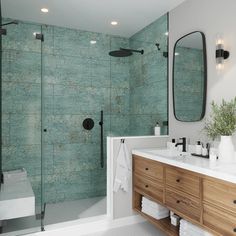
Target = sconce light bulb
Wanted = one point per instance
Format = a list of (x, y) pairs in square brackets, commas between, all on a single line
[(220, 66)]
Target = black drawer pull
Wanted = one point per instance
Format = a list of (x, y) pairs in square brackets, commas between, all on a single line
[(234, 201), (178, 180), (146, 186), (146, 168), (178, 201), (234, 230)]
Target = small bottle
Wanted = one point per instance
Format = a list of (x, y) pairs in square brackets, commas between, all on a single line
[(198, 148), (204, 151), (157, 130), (213, 154)]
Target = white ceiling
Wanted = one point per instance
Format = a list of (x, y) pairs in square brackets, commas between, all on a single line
[(91, 15)]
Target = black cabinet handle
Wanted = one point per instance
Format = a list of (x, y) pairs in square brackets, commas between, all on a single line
[(146, 168), (45, 130), (178, 201), (146, 186), (234, 230), (234, 201), (178, 180)]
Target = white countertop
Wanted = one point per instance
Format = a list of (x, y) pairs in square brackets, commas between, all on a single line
[(217, 169)]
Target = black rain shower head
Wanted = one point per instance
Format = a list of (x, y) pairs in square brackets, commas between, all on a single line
[(124, 52), (120, 53)]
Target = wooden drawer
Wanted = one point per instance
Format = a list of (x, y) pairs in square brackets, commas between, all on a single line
[(183, 181), (183, 203), (220, 193), (147, 167), (219, 221), (152, 189)]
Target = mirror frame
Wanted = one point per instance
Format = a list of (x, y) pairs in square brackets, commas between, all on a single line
[(205, 76)]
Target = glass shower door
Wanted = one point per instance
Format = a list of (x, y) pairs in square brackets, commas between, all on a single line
[(21, 127), (76, 80)]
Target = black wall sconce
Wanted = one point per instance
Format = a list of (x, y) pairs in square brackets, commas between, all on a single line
[(221, 54)]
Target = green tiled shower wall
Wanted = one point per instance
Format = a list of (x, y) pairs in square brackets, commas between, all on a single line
[(148, 79), (78, 81), (189, 83)]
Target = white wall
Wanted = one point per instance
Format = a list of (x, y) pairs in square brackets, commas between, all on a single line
[(120, 203), (212, 17)]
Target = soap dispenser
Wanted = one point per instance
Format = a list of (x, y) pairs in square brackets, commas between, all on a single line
[(157, 130), (199, 148)]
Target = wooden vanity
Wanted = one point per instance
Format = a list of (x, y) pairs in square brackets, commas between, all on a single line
[(205, 201)]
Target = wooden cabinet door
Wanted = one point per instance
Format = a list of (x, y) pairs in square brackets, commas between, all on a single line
[(183, 181), (151, 188), (220, 193), (185, 204), (219, 221), (147, 167)]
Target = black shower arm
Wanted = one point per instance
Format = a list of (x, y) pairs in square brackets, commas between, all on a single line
[(9, 23)]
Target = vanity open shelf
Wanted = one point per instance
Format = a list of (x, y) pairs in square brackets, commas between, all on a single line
[(202, 200), (163, 224)]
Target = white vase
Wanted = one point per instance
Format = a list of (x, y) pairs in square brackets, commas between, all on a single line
[(226, 149)]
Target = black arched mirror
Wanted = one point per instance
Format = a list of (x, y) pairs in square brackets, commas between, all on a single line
[(190, 77)]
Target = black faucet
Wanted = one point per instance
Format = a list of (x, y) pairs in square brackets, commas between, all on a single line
[(183, 143)]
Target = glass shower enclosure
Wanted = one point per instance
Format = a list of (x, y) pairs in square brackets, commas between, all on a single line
[(61, 96)]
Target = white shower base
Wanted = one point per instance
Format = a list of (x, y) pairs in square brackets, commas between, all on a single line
[(57, 213)]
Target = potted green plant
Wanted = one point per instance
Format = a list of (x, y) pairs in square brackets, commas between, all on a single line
[(222, 123)]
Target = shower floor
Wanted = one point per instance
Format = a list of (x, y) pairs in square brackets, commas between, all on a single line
[(58, 213)]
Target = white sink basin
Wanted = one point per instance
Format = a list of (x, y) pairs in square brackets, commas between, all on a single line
[(168, 153)]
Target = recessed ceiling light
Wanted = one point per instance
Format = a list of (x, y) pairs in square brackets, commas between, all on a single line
[(176, 54), (166, 33), (114, 23), (44, 10), (93, 41)]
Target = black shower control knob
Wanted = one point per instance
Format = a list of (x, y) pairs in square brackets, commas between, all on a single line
[(88, 123), (45, 130)]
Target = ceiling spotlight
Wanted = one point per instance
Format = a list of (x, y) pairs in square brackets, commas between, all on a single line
[(176, 53), (93, 42), (114, 23), (166, 33), (44, 10)]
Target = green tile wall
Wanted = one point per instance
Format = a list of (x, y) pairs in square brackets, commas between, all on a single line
[(148, 79), (79, 80)]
